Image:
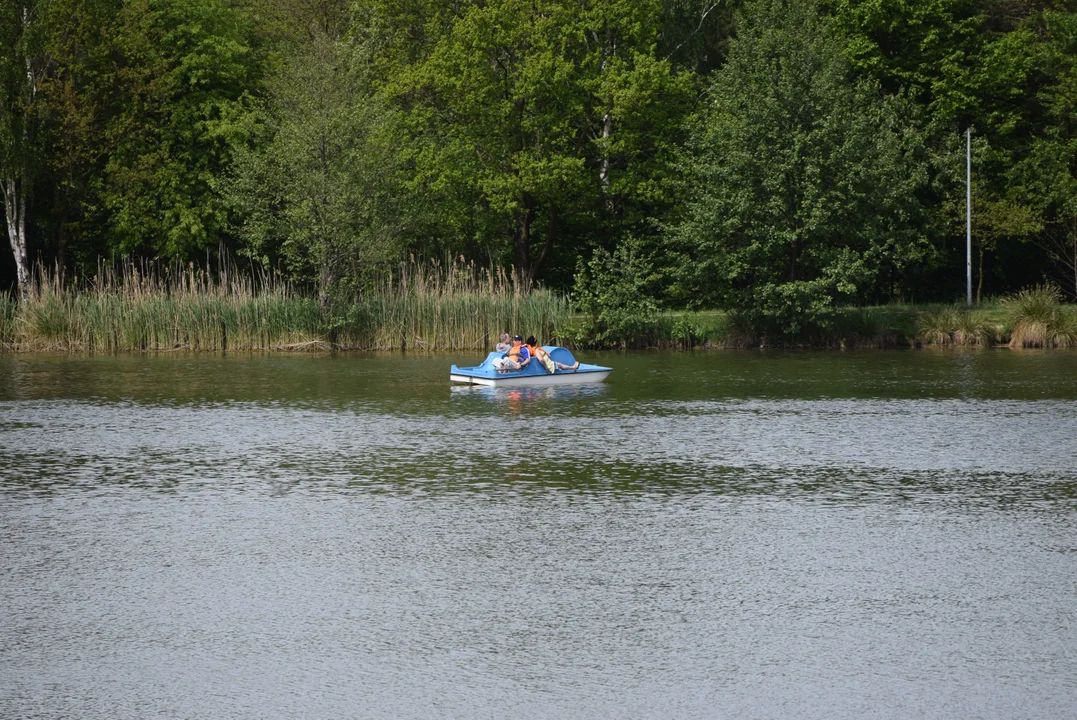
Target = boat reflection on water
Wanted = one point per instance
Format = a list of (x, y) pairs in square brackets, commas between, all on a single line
[(516, 398)]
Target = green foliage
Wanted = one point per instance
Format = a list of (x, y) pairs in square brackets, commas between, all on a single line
[(527, 120), (612, 288), (823, 165), (22, 61), (803, 181), (319, 188), (185, 66), (1047, 174)]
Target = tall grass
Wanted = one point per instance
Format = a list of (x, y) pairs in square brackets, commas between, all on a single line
[(149, 307), (953, 325), (434, 305), (8, 309), (146, 306), (1039, 320)]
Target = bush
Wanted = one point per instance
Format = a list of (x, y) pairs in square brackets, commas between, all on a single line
[(861, 328), (613, 290), (1038, 318)]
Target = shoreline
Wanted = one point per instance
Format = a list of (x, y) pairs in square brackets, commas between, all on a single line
[(213, 319)]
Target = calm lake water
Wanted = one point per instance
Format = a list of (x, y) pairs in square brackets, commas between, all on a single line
[(739, 535)]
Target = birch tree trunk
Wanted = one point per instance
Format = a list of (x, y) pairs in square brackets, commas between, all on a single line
[(15, 214), (14, 184)]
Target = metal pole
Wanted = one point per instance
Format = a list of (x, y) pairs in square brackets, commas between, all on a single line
[(968, 217)]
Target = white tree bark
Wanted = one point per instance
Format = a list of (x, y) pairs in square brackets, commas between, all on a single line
[(14, 183), (15, 214), (604, 164), (608, 50)]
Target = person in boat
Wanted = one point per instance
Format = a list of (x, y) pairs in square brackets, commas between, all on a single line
[(539, 353), (504, 343), (517, 358)]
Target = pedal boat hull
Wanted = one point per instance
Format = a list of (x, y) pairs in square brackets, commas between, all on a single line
[(534, 375)]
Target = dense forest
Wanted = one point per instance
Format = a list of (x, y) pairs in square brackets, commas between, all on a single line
[(775, 157)]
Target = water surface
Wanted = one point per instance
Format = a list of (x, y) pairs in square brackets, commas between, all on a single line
[(703, 535)]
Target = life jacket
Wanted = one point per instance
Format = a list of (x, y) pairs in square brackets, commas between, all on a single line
[(514, 353), (543, 357)]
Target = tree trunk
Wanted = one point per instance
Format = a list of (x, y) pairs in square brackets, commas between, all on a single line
[(61, 240), (604, 163), (551, 233), (609, 50), (522, 241), (980, 282), (326, 279), (15, 214), (14, 184)]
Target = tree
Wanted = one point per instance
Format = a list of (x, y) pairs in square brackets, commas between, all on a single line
[(1049, 172), (319, 189), (186, 68), (999, 67), (615, 289), (22, 63), (75, 98), (527, 116), (803, 182)]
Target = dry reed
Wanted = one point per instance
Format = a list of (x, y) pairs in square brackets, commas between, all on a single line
[(144, 306), (1039, 320)]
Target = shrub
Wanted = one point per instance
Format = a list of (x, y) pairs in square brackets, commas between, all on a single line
[(861, 328), (1038, 319), (613, 290)]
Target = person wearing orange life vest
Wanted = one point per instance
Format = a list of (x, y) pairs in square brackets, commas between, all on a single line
[(517, 358), (548, 362)]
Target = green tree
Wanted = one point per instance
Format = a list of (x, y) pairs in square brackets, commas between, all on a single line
[(75, 96), (23, 62), (616, 291), (1048, 173), (993, 65), (525, 117), (319, 189), (803, 181), (185, 68)]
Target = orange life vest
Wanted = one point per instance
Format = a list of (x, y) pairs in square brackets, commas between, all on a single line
[(514, 353)]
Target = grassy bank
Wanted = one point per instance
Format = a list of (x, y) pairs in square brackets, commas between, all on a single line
[(146, 308), (1031, 318)]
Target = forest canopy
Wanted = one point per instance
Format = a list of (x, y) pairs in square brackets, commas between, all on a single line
[(774, 157)]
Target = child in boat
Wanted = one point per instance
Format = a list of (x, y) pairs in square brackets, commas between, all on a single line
[(517, 358), (548, 362)]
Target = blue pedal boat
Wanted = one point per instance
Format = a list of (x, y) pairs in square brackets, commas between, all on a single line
[(533, 375)]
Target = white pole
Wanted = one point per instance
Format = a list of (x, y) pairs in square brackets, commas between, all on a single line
[(968, 217)]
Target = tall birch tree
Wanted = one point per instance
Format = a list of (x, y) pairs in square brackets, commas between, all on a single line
[(21, 66)]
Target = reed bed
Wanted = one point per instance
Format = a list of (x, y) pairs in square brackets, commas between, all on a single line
[(149, 307), (146, 307), (454, 306), (423, 306)]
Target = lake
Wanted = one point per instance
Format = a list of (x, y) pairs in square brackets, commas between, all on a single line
[(722, 534)]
